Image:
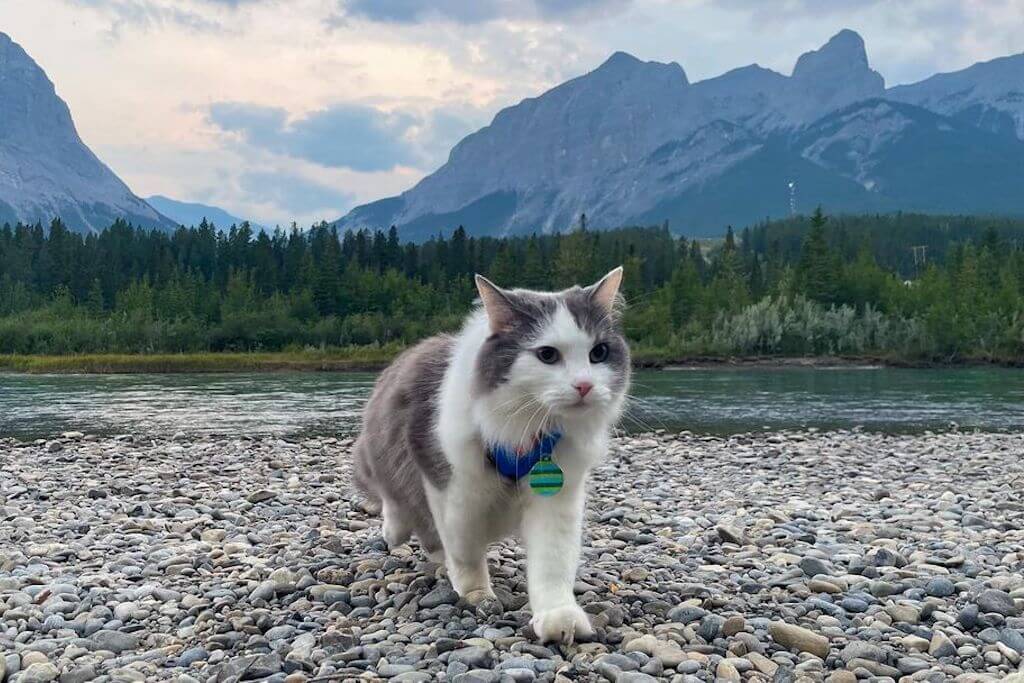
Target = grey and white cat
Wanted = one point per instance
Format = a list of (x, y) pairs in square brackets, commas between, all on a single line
[(525, 364)]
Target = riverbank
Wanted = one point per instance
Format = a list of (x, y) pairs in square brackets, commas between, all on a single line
[(366, 358), (372, 358), (799, 555)]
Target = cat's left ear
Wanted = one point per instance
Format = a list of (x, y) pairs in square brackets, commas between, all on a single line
[(606, 291)]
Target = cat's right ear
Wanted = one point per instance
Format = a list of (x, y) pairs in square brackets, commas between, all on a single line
[(496, 303)]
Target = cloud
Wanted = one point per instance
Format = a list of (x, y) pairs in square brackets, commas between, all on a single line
[(292, 191), (479, 11), (153, 15), (344, 135)]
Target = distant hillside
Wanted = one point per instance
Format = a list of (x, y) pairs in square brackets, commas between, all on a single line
[(891, 238), (193, 213), (637, 142)]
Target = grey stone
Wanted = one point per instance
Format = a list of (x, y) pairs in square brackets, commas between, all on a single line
[(115, 641)]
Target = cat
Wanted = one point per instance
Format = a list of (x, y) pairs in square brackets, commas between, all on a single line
[(441, 452)]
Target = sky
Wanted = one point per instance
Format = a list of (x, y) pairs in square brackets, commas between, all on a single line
[(298, 110)]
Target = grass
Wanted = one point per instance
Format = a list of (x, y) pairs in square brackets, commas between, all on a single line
[(371, 358), (350, 359)]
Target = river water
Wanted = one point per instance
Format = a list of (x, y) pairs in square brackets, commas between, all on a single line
[(719, 401)]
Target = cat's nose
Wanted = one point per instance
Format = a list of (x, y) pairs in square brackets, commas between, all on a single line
[(583, 388)]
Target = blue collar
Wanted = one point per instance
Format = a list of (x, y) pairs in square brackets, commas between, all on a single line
[(513, 464)]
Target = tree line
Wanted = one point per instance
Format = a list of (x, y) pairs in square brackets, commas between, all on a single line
[(900, 285)]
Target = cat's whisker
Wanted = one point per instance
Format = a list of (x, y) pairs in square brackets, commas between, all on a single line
[(644, 425)]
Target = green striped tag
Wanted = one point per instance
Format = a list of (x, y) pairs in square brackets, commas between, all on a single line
[(546, 477)]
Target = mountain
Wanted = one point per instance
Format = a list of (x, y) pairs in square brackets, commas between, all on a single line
[(45, 169), (989, 95), (192, 214), (636, 141)]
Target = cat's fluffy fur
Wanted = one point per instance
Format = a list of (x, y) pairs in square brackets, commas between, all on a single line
[(421, 457)]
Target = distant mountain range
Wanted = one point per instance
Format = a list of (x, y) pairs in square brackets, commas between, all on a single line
[(630, 142), (636, 142), (192, 213), (45, 168)]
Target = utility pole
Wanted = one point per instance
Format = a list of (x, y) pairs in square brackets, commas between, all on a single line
[(920, 257)]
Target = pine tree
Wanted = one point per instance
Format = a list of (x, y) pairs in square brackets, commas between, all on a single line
[(817, 272), (574, 263)]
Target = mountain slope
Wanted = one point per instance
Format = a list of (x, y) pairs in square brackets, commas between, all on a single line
[(636, 141), (45, 169), (989, 95), (913, 159), (193, 213)]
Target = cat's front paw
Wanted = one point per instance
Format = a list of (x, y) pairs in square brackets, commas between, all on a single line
[(562, 624), (478, 596)]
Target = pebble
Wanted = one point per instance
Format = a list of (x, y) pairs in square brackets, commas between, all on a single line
[(798, 638), (40, 672)]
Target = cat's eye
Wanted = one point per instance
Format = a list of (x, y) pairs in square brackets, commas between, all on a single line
[(548, 355), (599, 353)]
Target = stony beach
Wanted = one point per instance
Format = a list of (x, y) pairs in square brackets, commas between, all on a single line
[(782, 556)]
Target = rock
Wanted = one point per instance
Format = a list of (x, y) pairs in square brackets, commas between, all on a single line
[(261, 496), (762, 663), (669, 653), (799, 638), (727, 672), (635, 677), (812, 566), (733, 625), (997, 602), (911, 665), (473, 657), (862, 650), (730, 534), (265, 591), (968, 617), (439, 596), (821, 586), (941, 646), (78, 674), (192, 655), (907, 614), (477, 676), (115, 641), (1013, 639), (940, 588), (916, 644), (685, 614), (842, 677), (30, 658), (40, 672)]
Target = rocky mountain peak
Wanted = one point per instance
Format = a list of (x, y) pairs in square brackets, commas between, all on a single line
[(842, 58), (624, 65), (46, 171)]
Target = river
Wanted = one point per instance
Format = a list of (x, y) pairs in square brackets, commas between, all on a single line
[(719, 401)]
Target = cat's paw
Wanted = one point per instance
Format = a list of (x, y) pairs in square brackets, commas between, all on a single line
[(477, 597), (485, 601), (562, 624)]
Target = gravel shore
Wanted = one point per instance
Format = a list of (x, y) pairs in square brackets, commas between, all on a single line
[(782, 556)]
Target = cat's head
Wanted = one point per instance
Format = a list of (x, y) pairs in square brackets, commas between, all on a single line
[(559, 356)]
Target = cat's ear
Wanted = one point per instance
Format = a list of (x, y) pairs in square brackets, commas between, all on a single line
[(496, 303), (606, 291)]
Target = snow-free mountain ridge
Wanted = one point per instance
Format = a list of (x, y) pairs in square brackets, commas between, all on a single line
[(193, 213), (46, 171), (636, 141)]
